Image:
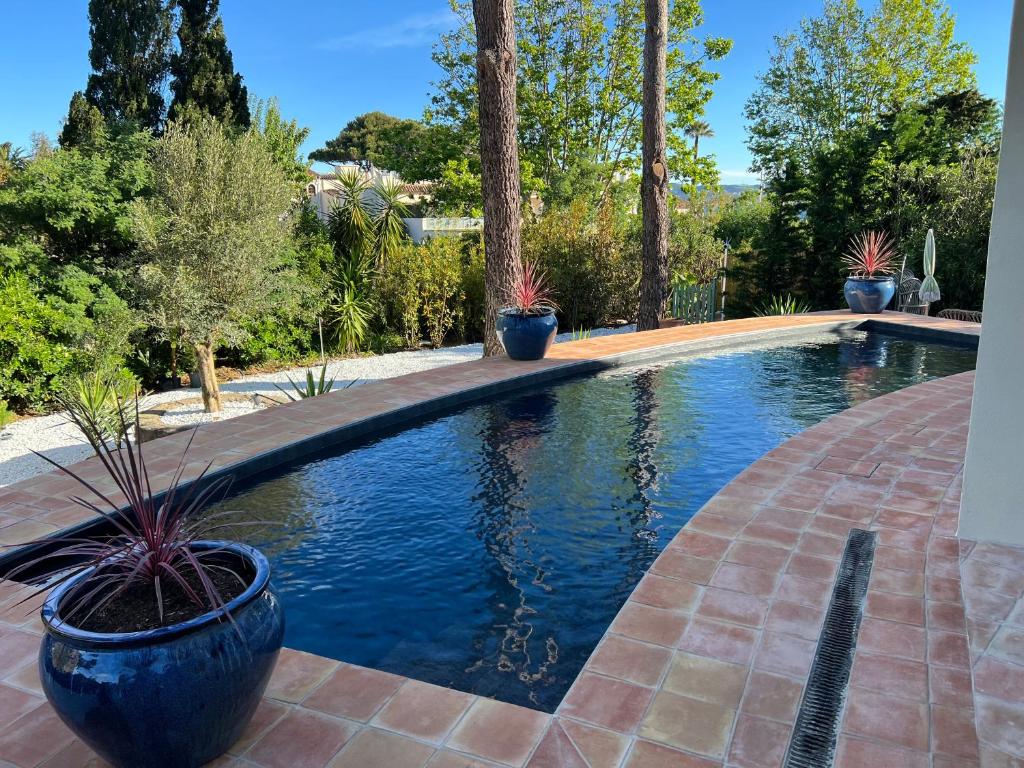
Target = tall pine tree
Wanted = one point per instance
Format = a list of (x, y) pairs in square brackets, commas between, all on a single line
[(204, 78), (130, 53)]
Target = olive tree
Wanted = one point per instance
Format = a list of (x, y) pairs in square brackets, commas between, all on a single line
[(213, 239)]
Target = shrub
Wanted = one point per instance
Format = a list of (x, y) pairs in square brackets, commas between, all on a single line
[(101, 404), (440, 286), (6, 417), (35, 348), (398, 294)]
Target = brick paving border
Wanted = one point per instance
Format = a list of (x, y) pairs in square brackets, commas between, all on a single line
[(705, 662)]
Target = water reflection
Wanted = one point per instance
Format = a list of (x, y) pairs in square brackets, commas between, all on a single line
[(489, 549)]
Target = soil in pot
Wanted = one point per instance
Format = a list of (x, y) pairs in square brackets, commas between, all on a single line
[(135, 610)]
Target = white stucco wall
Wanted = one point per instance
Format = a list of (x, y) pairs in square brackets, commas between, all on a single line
[(993, 496)]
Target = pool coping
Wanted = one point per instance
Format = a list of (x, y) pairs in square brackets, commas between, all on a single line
[(570, 728)]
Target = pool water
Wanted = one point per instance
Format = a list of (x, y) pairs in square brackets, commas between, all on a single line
[(489, 549)]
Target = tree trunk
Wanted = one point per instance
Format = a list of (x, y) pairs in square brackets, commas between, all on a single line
[(208, 377), (654, 179), (499, 153)]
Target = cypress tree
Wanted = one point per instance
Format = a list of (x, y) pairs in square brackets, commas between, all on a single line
[(204, 78), (84, 126), (130, 53)]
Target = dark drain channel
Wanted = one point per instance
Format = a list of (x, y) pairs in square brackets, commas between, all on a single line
[(813, 744)]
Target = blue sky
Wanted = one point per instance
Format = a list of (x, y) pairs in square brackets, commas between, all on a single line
[(328, 62)]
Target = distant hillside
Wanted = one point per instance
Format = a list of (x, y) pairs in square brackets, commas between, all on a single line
[(730, 189)]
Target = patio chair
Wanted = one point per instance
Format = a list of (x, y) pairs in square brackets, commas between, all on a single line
[(964, 315), (908, 296)]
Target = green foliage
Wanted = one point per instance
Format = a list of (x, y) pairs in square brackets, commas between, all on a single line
[(377, 140), (386, 342), (783, 305), (36, 344), (6, 416), (85, 126), (458, 190), (102, 404), (130, 53), (591, 257), (75, 203), (204, 81), (12, 160), (282, 139), (313, 387), (440, 286), (398, 295), (348, 315), (214, 248), (579, 85), (846, 69)]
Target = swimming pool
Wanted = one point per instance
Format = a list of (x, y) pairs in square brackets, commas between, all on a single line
[(489, 549)]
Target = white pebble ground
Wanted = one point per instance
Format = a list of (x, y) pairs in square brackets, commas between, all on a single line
[(53, 436)]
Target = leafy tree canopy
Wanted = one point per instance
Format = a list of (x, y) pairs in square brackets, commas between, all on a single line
[(579, 85), (381, 141), (203, 75), (846, 69), (84, 126), (130, 54)]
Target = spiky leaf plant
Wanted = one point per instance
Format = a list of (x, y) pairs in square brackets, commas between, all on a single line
[(313, 387), (783, 305), (151, 546), (871, 253), (527, 291), (100, 404)]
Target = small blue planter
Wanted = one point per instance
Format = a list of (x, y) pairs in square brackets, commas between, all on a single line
[(174, 697), (869, 295), (526, 337)]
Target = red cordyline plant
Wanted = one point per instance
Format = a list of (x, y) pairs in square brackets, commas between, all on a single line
[(528, 291), (152, 541), (870, 253)]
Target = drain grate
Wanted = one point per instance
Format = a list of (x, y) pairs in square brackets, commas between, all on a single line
[(813, 744)]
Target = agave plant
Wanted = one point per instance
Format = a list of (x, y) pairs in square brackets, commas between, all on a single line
[(527, 291), (871, 253), (151, 547), (783, 305), (313, 387)]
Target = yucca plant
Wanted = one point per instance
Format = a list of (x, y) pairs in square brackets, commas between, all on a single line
[(388, 228), (783, 305), (527, 290), (348, 316), (99, 403), (313, 387), (871, 253), (150, 550)]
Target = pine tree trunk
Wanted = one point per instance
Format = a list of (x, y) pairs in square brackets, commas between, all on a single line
[(499, 153), (208, 377), (654, 178)]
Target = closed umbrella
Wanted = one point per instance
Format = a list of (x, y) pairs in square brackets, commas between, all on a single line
[(929, 287)]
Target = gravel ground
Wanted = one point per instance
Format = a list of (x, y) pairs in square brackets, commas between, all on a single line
[(56, 438)]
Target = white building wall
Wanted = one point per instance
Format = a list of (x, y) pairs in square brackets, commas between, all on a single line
[(992, 508)]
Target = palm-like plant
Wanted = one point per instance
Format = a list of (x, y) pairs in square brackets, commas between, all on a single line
[(151, 546), (100, 403), (528, 292), (699, 129), (388, 227), (871, 253)]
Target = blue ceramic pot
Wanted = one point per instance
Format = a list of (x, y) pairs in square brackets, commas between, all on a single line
[(174, 697), (869, 295), (526, 337)]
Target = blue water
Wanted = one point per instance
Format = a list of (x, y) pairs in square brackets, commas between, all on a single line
[(489, 549)]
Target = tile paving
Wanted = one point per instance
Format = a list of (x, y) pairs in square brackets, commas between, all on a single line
[(706, 661)]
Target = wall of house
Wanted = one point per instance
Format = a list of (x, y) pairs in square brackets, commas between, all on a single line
[(992, 508)]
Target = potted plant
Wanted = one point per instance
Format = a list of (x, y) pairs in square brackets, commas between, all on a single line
[(528, 325), (158, 642), (870, 286)]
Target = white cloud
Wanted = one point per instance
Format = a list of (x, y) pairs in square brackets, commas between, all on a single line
[(420, 29)]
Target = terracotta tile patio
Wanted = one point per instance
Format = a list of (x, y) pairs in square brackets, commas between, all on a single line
[(706, 662)]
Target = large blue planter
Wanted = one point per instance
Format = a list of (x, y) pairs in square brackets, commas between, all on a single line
[(526, 337), (174, 697), (869, 295)]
